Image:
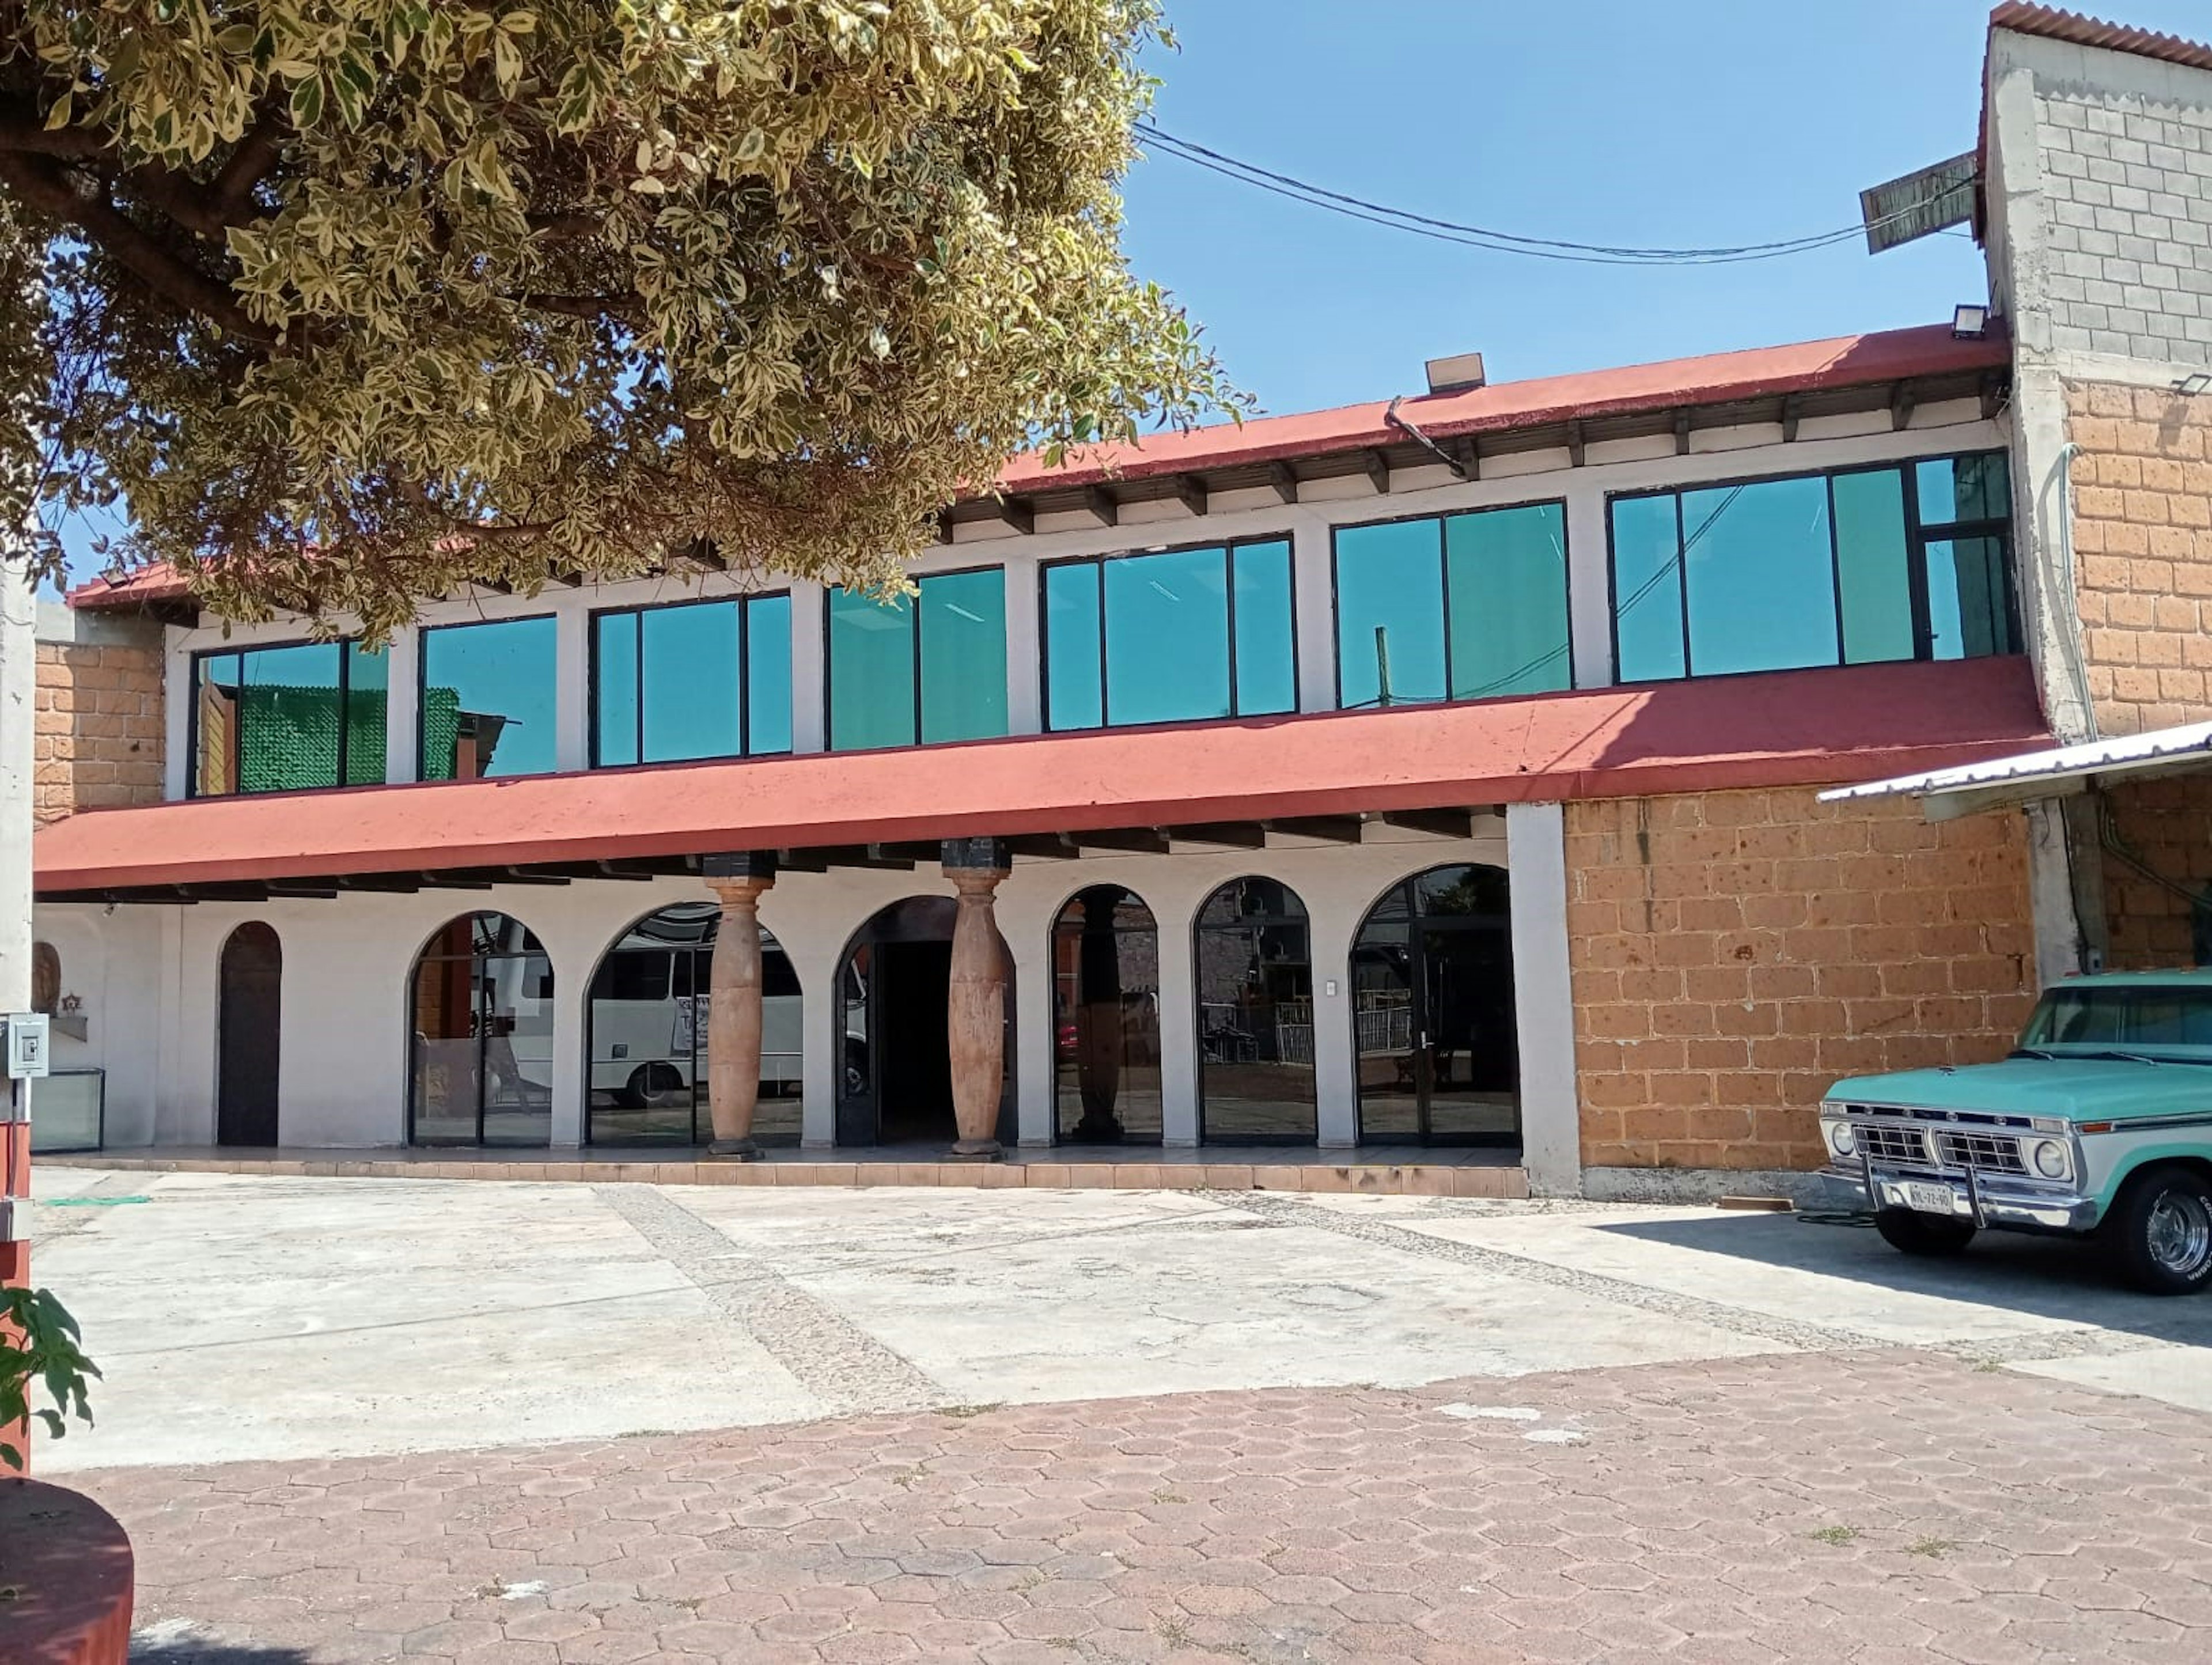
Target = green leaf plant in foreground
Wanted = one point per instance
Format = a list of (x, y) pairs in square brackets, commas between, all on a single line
[(38, 1346)]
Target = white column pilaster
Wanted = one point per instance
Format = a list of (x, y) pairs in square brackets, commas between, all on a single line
[(1178, 1027), (1543, 998), (810, 686), (1336, 1093), (1589, 586), (1024, 657), (403, 705), (1035, 1026), (1313, 596), (572, 690)]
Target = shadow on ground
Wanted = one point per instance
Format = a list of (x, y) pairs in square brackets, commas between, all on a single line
[(206, 1650)]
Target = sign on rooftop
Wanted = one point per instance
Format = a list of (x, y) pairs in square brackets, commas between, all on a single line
[(1918, 204)]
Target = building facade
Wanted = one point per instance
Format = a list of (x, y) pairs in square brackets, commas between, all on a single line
[(1441, 774)]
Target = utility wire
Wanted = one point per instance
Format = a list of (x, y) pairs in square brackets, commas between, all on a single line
[(1474, 236)]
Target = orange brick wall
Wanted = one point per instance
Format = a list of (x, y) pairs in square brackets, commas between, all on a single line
[(2143, 544), (100, 726), (1734, 953), (2166, 822)]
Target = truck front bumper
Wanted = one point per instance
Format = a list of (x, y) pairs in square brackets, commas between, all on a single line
[(1985, 1199)]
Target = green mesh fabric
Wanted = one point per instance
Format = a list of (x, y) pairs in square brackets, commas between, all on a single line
[(441, 731), (290, 738)]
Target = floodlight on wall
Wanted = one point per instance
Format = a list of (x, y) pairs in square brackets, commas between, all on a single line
[(2197, 382), (1969, 323)]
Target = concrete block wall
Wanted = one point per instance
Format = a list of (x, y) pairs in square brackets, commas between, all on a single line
[(99, 714), (2163, 823), (2143, 537), (2128, 189), (1734, 953)]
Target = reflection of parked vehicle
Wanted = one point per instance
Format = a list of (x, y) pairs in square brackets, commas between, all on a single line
[(649, 1021), (2100, 1123)]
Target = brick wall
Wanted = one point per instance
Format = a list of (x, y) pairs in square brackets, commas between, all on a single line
[(2142, 546), (100, 725), (1734, 953), (2164, 822)]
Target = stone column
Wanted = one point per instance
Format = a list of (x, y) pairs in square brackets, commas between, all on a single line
[(975, 1004), (734, 1020)]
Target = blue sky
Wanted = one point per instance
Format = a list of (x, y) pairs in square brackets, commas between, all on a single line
[(1692, 123)]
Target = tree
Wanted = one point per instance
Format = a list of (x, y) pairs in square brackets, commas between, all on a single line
[(349, 301)]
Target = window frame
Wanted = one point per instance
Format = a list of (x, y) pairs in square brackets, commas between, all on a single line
[(744, 602), (1443, 578), (422, 634), (913, 632), (343, 644), (1918, 535), (1228, 546)]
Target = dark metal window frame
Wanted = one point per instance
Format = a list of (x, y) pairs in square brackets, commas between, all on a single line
[(422, 677), (1098, 563), (1443, 580), (1918, 535), (914, 634), (343, 644), (744, 606), (1199, 929)]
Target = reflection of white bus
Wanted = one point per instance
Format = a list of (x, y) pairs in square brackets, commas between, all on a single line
[(649, 1020)]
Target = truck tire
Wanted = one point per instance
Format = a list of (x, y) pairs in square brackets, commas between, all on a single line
[(2160, 1230), (1924, 1235), (651, 1086)]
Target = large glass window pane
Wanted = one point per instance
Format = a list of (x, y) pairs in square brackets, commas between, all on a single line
[(614, 690), (288, 718), (767, 674), (1968, 615), (482, 1022), (1647, 589), (963, 655), (1508, 583), (1390, 614), (1759, 571), (692, 687), (1106, 978), (488, 695), (1955, 488), (1255, 1035), (871, 671), (1266, 646), (368, 702), (1167, 636), (1074, 696), (1872, 562)]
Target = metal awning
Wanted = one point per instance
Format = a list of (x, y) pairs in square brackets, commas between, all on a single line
[(2060, 772)]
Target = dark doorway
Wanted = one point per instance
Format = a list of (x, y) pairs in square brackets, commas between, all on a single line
[(896, 1087), (1434, 1041), (249, 1021)]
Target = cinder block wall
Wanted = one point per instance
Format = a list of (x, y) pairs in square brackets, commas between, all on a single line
[(2166, 824), (1734, 953), (2142, 542), (99, 715)]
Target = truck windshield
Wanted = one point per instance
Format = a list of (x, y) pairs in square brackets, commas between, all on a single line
[(2166, 1021)]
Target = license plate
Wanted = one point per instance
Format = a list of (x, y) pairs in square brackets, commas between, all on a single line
[(1931, 1199)]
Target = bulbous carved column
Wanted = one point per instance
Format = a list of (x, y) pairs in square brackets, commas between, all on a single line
[(975, 1004), (733, 1013)]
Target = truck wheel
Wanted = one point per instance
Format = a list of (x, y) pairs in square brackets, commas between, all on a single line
[(652, 1086), (1922, 1234), (2160, 1232)]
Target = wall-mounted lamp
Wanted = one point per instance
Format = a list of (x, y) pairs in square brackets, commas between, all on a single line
[(1969, 323), (2198, 381)]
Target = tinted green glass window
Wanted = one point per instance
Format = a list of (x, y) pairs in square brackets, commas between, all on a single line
[(1647, 589), (767, 674), (614, 690), (1074, 695), (368, 701), (963, 655), (871, 671), (1267, 642), (1955, 488), (1167, 636), (1872, 562), (1506, 573), (1390, 614), (1968, 615), (1761, 577), (689, 657), (488, 698), (287, 718)]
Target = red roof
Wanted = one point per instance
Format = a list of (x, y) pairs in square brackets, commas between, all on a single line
[(1792, 728), (1715, 378), (2079, 30)]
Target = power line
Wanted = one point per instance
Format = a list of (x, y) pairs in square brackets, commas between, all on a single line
[(1484, 237)]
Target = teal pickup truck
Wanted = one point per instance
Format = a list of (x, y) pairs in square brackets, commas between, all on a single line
[(2097, 1125)]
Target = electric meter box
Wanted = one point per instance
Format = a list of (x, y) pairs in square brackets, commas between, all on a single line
[(27, 1045)]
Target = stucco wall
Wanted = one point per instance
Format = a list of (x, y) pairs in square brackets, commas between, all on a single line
[(1734, 953)]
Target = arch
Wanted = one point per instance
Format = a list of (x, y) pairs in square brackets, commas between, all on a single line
[(480, 1014), (1106, 1018), (249, 1035), (645, 1033), (1252, 978), (1436, 1053), (895, 1084)]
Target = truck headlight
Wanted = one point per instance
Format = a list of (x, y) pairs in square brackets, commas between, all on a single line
[(1843, 1138), (2050, 1159)]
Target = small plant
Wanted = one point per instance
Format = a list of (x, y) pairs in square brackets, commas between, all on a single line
[(1934, 1548), (1834, 1534), (39, 1343)]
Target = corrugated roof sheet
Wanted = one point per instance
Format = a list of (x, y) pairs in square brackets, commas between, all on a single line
[(2080, 30), (2129, 753)]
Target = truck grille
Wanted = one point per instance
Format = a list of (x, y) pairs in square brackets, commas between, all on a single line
[(1892, 1144), (1985, 1151)]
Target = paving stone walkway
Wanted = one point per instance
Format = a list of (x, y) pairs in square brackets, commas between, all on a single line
[(1874, 1507)]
